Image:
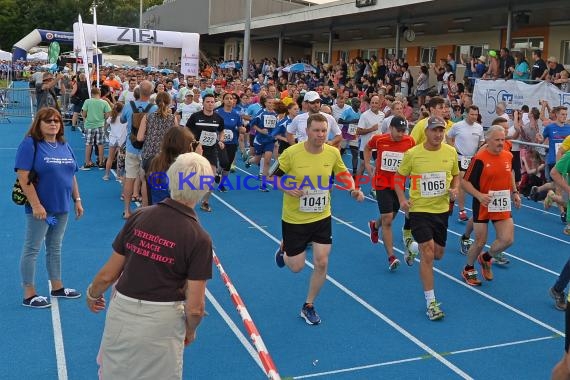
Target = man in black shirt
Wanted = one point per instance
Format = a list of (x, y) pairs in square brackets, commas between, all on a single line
[(208, 128), (505, 63), (539, 66)]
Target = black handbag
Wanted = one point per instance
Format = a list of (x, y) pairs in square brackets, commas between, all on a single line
[(18, 195)]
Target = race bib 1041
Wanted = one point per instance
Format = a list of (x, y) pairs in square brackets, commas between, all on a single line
[(314, 201)]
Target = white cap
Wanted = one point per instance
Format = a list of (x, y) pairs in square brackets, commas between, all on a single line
[(311, 96)]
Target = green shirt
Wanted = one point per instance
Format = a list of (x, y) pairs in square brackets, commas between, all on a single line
[(96, 110)]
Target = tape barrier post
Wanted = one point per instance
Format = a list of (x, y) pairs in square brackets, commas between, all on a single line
[(264, 356)]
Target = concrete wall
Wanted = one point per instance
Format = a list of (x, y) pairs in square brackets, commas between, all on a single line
[(181, 16), (230, 11), (557, 35)]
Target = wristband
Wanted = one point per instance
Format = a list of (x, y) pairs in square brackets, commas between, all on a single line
[(77, 200), (89, 296)]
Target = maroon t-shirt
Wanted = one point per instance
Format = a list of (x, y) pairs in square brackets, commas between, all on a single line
[(164, 246)]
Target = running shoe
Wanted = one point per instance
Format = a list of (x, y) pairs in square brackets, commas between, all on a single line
[(433, 311), (470, 277), (36, 302), (464, 245), (393, 263), (549, 199), (486, 269), (222, 189), (373, 193), (533, 195), (309, 314), (205, 207), (106, 177), (263, 188), (563, 217), (559, 299), (233, 168), (247, 163), (566, 230), (501, 259), (373, 231), (279, 260), (463, 216), (411, 251)]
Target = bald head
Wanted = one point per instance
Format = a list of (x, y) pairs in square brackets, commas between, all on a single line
[(146, 88)]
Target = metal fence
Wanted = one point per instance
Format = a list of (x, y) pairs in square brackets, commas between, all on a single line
[(16, 102)]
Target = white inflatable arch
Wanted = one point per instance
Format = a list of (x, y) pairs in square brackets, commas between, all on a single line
[(188, 42)]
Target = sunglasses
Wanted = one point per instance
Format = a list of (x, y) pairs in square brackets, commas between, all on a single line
[(49, 121)]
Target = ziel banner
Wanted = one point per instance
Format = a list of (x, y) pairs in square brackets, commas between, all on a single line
[(188, 42), (488, 93)]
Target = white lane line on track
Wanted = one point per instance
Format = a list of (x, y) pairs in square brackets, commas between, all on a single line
[(235, 329), (488, 246), (58, 338), (418, 358), (462, 283), (367, 306)]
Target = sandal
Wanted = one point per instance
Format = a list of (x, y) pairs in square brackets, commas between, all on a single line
[(205, 207)]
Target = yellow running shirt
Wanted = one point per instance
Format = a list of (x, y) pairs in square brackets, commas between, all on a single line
[(430, 175), (312, 172), (419, 131)]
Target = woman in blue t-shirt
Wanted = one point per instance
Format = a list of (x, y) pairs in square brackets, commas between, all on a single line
[(45, 153)]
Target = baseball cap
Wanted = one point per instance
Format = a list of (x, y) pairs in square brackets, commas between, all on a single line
[(399, 123), (311, 96), (435, 122)]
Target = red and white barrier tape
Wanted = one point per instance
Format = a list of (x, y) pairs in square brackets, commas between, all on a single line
[(254, 335)]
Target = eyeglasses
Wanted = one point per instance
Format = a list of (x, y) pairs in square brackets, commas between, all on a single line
[(49, 121)]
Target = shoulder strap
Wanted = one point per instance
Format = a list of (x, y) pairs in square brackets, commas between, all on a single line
[(134, 107), (147, 108), (35, 150)]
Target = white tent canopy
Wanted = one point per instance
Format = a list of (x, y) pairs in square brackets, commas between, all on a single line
[(119, 60), (39, 56), (5, 56)]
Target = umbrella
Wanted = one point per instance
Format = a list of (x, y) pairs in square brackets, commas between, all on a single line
[(149, 69), (299, 68), (228, 65), (167, 71)]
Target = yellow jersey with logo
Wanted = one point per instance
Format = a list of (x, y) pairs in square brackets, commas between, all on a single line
[(430, 175), (312, 174)]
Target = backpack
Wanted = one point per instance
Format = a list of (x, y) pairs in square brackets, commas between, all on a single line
[(136, 122)]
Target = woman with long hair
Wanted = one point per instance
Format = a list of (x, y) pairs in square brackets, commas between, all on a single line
[(152, 129), (117, 137), (176, 141), (46, 168)]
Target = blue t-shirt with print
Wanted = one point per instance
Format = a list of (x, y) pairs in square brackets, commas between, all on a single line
[(281, 128), (56, 166), (555, 135), (232, 122), (266, 120), (127, 117)]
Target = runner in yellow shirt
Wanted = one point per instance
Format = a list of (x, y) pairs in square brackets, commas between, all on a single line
[(434, 179), (304, 175)]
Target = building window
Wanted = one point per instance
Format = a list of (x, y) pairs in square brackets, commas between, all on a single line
[(427, 55), (527, 45), (367, 53), (391, 53), (565, 59), (322, 56), (467, 51)]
